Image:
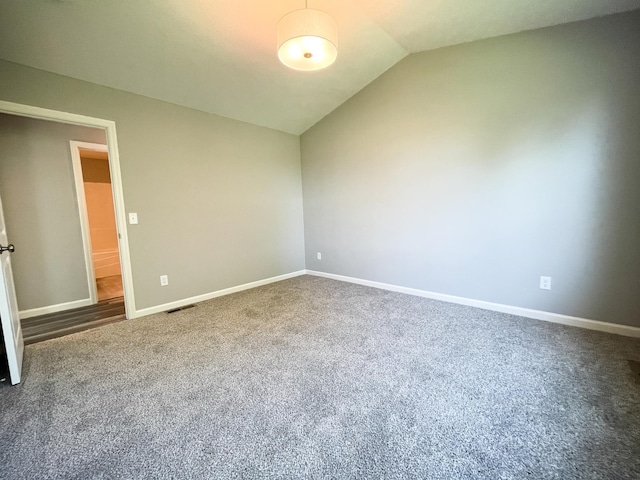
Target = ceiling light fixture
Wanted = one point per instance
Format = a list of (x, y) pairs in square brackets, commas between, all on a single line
[(307, 39)]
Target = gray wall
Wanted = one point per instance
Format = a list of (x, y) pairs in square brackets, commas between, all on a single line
[(475, 169), (219, 201), (41, 210)]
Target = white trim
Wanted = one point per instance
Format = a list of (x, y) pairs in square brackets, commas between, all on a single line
[(35, 312), (116, 180), (496, 307), (82, 210), (218, 293), (121, 221)]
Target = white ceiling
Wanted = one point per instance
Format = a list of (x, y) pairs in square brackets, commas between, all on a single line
[(219, 55)]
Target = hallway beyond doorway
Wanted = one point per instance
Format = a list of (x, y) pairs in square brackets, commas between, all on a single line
[(54, 325)]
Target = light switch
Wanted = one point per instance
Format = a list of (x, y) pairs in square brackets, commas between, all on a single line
[(133, 218)]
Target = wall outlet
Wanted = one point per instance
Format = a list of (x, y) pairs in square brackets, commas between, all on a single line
[(319, 256), (164, 280), (545, 283), (133, 219)]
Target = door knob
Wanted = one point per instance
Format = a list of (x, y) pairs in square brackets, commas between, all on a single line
[(9, 248)]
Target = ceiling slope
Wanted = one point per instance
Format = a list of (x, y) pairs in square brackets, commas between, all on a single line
[(220, 56)]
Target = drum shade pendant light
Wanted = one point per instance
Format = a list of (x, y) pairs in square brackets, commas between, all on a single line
[(307, 40)]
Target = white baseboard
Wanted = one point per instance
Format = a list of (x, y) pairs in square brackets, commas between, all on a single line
[(34, 312), (208, 296), (496, 307)]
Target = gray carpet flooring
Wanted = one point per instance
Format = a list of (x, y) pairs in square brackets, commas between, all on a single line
[(313, 378)]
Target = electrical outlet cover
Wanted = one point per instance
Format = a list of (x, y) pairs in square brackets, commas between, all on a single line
[(545, 283)]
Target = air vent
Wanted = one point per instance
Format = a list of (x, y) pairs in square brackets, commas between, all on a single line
[(173, 310)]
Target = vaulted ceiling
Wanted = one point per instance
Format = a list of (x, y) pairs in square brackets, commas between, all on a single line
[(219, 56)]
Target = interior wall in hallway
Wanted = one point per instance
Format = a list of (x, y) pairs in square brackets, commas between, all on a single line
[(41, 210)]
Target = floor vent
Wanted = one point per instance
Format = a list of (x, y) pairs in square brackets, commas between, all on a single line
[(635, 370), (173, 310)]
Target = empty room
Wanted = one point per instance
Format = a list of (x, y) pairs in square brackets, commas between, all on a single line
[(320, 239)]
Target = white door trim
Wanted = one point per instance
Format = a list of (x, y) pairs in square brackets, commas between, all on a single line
[(82, 210), (116, 180)]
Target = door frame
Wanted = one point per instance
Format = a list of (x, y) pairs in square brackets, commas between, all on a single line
[(82, 210), (109, 126)]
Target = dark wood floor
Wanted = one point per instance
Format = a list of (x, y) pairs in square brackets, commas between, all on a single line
[(53, 325)]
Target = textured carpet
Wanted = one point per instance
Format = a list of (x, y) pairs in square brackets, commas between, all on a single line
[(313, 378)]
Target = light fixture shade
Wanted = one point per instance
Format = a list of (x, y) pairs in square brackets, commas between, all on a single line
[(307, 40)]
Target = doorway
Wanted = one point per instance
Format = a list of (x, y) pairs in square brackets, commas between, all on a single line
[(11, 322), (97, 219)]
